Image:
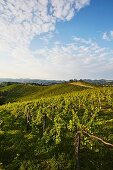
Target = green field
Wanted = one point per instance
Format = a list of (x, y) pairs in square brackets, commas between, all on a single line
[(57, 127)]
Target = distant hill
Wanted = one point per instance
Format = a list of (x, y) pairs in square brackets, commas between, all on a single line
[(37, 81), (49, 82), (99, 82)]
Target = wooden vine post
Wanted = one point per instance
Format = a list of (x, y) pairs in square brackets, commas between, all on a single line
[(44, 122), (77, 149)]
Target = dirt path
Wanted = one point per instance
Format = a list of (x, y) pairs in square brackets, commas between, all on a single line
[(80, 84)]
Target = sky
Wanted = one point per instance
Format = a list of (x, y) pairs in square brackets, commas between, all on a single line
[(56, 39)]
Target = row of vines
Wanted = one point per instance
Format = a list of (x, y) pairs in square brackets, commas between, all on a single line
[(66, 132)]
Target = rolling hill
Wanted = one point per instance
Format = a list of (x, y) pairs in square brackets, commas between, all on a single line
[(26, 92)]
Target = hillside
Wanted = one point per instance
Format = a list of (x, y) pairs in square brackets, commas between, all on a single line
[(25, 92), (47, 127), (43, 134)]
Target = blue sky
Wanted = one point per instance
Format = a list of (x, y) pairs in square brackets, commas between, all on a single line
[(70, 39)]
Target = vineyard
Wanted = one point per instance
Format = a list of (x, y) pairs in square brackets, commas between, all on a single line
[(25, 92), (66, 129)]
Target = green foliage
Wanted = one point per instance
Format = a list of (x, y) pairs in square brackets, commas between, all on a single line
[(40, 134), (27, 92)]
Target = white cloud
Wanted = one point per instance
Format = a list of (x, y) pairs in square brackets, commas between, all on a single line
[(46, 38), (79, 59), (111, 32), (108, 36), (21, 20)]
